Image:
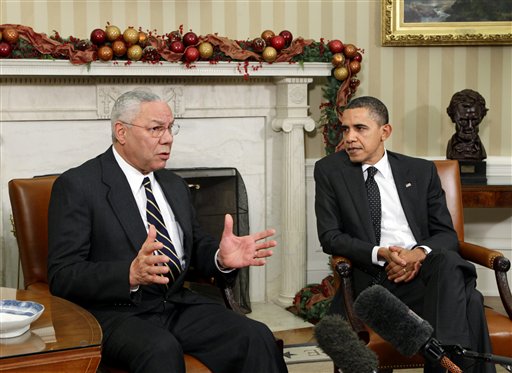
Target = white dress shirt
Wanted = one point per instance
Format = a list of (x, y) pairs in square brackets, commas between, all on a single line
[(395, 230), (135, 179)]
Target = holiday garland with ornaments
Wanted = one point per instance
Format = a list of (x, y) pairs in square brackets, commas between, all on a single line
[(134, 45)]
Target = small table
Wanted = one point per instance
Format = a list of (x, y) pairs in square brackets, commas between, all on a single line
[(487, 196), (65, 338)]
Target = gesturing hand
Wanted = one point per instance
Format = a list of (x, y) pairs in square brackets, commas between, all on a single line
[(238, 252), (144, 269)]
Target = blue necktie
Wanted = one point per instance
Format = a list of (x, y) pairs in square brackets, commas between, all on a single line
[(372, 190), (154, 216)]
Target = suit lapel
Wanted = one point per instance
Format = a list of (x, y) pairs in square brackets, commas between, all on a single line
[(121, 200), (406, 185), (354, 181)]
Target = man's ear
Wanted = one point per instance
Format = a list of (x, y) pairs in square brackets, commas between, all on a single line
[(386, 130), (120, 132)]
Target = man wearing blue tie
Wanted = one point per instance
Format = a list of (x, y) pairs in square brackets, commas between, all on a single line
[(122, 235), (387, 213)]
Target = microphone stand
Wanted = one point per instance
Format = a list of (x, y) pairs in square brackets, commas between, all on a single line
[(505, 362)]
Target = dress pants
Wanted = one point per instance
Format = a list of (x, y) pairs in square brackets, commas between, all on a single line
[(220, 338), (444, 294)]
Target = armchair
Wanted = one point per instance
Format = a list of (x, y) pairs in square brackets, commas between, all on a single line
[(30, 199), (500, 325)]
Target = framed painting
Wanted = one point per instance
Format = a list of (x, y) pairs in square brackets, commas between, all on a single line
[(446, 22)]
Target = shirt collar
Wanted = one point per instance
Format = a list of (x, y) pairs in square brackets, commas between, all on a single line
[(382, 165), (134, 176)]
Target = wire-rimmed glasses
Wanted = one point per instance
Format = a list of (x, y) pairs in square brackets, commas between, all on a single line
[(158, 131)]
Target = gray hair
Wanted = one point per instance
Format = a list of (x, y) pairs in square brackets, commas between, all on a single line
[(127, 107), (378, 111)]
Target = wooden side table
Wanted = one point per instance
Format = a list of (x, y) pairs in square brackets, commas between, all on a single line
[(487, 196), (66, 338)]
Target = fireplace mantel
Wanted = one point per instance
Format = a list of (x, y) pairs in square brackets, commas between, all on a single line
[(262, 118), (28, 67)]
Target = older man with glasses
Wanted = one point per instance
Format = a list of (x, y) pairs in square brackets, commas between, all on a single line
[(122, 235)]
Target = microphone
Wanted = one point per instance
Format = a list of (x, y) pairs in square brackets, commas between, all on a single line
[(400, 326), (337, 339)]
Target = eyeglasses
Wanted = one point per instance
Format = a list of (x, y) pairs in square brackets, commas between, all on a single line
[(158, 131)]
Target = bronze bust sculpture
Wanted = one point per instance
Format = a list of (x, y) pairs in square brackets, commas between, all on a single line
[(466, 110)]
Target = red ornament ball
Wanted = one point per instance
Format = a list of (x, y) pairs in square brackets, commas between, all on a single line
[(258, 45), (267, 35), (82, 45), (105, 53), (190, 38), (177, 47), (191, 54), (277, 42), (10, 35), (288, 37), (335, 46), (350, 50), (98, 36), (358, 57), (5, 49), (150, 54), (174, 36)]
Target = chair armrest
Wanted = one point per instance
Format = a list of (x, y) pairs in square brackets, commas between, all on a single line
[(494, 260), (342, 269)]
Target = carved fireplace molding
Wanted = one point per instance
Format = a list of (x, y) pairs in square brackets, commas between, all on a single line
[(44, 90)]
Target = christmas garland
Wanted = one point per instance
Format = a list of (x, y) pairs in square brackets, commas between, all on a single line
[(132, 45)]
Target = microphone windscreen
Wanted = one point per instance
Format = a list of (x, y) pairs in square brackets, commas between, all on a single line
[(337, 339), (389, 317)]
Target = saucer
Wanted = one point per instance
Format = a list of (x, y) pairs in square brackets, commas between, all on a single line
[(16, 316)]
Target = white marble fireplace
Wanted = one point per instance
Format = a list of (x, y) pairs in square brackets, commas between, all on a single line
[(55, 116)]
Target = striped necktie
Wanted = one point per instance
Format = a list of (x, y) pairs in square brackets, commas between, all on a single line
[(372, 190), (154, 216)]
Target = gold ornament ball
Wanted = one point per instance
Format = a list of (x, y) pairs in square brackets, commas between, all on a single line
[(113, 32), (119, 48), (143, 38), (267, 35), (269, 54), (350, 50), (105, 53), (134, 52), (341, 73), (354, 66), (0, 36), (338, 59), (205, 50), (10, 35), (131, 36)]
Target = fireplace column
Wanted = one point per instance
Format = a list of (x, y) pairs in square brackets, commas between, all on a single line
[(292, 119)]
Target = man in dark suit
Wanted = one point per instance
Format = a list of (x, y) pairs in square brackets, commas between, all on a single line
[(103, 255), (411, 248)]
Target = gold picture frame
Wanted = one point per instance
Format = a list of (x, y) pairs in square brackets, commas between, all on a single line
[(397, 32)]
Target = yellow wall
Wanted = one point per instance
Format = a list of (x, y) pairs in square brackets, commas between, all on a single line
[(415, 82)]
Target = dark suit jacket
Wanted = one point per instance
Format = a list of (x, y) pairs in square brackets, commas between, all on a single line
[(343, 216), (95, 231)]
